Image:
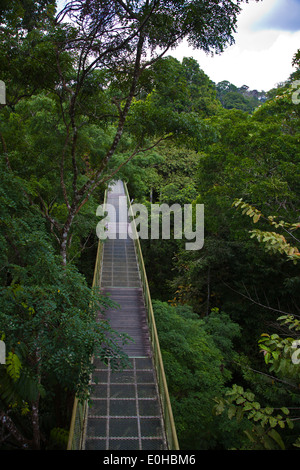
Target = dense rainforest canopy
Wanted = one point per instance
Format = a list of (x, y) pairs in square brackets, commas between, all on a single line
[(92, 94)]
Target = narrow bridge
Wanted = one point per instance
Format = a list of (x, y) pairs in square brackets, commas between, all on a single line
[(130, 408)]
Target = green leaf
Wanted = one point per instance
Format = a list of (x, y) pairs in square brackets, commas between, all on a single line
[(277, 438), (273, 421), (289, 423), (13, 366), (231, 411), (240, 400), (249, 435), (248, 406), (276, 354)]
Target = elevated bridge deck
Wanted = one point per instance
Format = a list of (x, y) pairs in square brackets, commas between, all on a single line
[(130, 408), (126, 410)]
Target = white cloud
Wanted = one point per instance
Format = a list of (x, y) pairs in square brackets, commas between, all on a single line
[(260, 58), (264, 46)]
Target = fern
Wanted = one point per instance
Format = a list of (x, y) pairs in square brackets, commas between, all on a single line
[(59, 438), (13, 366)]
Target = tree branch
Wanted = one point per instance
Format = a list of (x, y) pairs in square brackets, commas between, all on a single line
[(8, 424), (248, 297)]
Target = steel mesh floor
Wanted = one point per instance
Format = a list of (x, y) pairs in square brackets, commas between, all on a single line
[(125, 410), (119, 265)]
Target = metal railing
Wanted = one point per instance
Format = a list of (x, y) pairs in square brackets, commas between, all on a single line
[(79, 414), (169, 423)]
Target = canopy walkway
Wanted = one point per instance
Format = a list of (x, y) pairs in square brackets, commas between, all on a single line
[(130, 409)]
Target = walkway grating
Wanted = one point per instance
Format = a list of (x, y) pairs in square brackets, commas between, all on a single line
[(125, 411), (125, 414)]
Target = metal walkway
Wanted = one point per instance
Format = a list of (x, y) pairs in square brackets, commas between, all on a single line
[(126, 411)]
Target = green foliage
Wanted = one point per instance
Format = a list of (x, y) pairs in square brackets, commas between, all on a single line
[(58, 439), (107, 116), (241, 98), (13, 366), (252, 165), (48, 317), (183, 87), (281, 354), (262, 434), (273, 241), (28, 52), (196, 361), (255, 160), (179, 98), (264, 426)]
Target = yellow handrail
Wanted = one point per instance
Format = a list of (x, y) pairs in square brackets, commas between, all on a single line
[(72, 426), (79, 411), (162, 382)]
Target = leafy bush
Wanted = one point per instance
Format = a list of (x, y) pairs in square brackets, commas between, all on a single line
[(196, 367)]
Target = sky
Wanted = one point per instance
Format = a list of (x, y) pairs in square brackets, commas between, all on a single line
[(267, 37)]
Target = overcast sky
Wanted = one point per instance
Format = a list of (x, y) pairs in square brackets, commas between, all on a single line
[(267, 37)]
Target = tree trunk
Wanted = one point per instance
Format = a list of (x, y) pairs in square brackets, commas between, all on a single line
[(208, 292), (36, 424), (7, 423), (65, 233)]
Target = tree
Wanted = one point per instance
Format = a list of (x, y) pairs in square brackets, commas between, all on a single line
[(113, 43), (242, 98), (117, 35), (181, 86), (197, 357), (271, 427), (28, 58), (49, 322), (281, 355), (274, 242)]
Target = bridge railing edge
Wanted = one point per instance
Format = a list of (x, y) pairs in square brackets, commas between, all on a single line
[(169, 422), (79, 411)]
